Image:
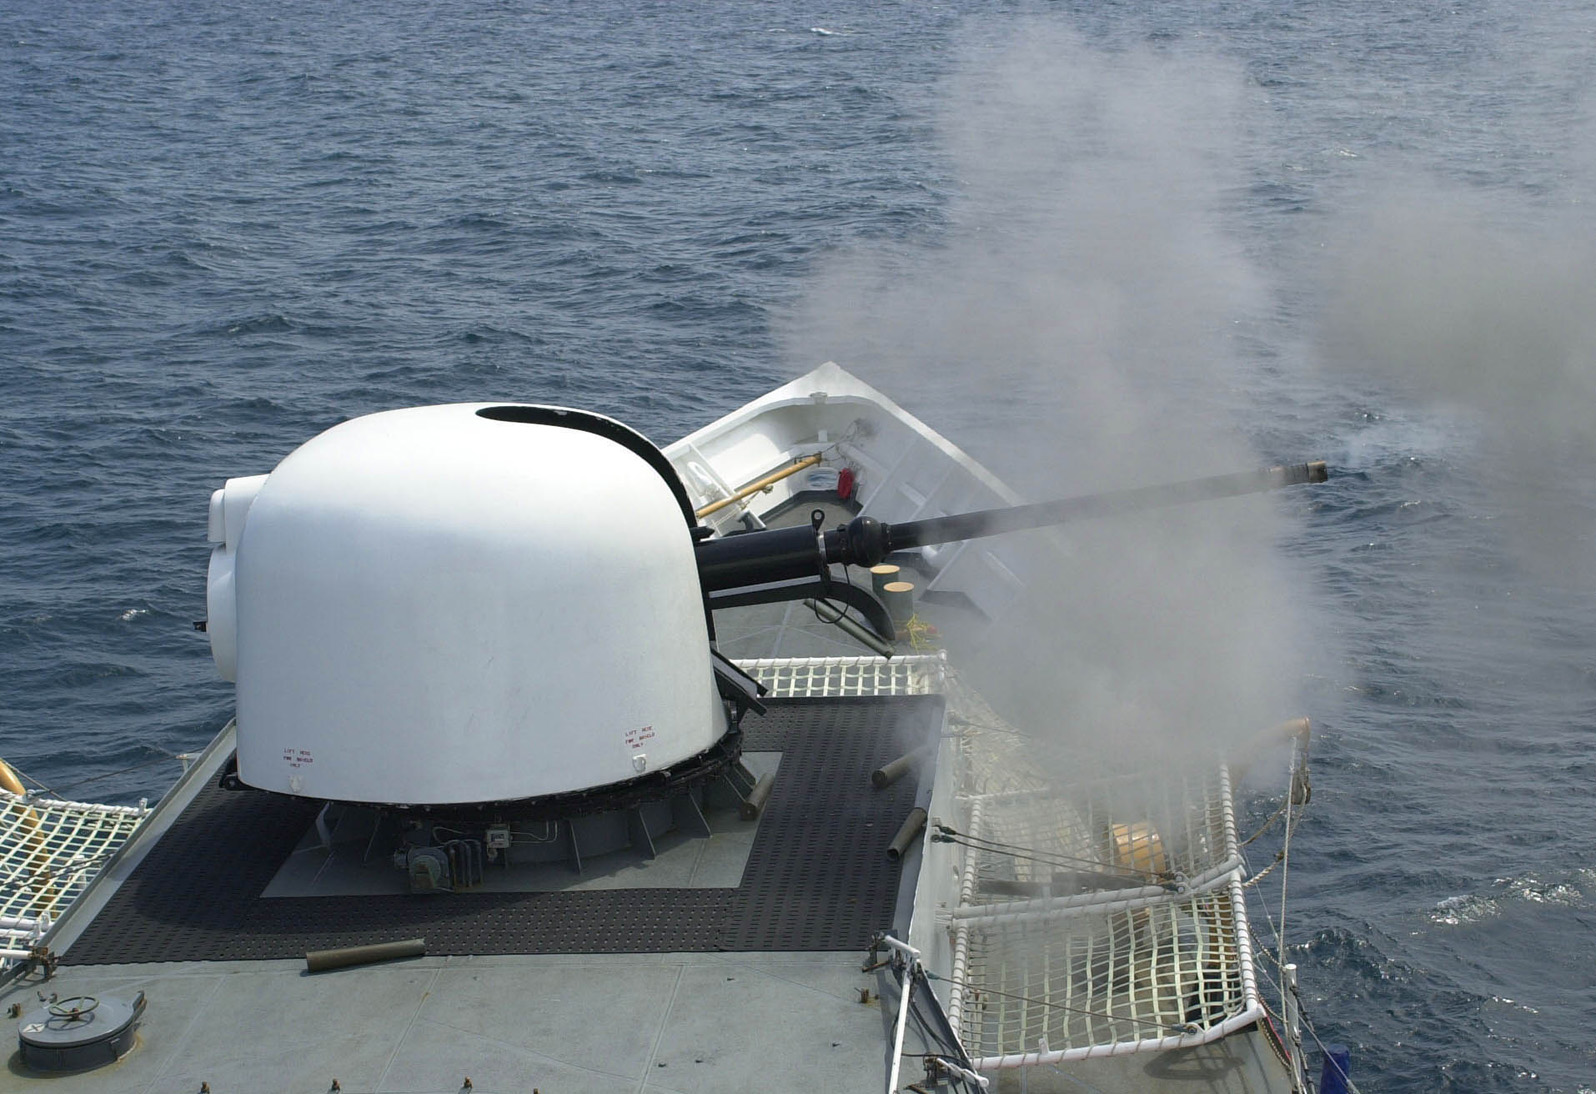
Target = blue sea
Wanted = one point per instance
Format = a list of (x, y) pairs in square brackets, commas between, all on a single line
[(1350, 230)]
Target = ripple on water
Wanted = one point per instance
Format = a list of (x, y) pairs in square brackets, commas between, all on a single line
[(1463, 909)]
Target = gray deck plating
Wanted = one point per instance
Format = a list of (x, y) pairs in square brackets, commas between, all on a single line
[(817, 876)]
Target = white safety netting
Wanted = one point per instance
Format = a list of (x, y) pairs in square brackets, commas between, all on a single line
[(49, 852), (1050, 990), (1094, 917), (1101, 841)]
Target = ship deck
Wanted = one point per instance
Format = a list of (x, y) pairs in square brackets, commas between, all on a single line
[(595, 990), (734, 982), (815, 878)]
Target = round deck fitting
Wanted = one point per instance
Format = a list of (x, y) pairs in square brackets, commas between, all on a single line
[(79, 1033)]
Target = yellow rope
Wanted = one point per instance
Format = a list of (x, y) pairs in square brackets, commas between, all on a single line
[(921, 634)]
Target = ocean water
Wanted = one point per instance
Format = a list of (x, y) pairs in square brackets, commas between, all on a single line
[(226, 227)]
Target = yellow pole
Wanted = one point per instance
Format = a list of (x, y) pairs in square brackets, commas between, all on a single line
[(31, 840), (757, 485)]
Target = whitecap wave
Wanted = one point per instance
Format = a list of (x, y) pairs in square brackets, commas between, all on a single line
[(1535, 890), (1571, 891), (1456, 911)]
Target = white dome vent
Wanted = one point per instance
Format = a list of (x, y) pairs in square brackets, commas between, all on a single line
[(464, 604)]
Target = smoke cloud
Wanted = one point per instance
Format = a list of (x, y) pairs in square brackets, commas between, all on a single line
[(1485, 303), (1076, 328)]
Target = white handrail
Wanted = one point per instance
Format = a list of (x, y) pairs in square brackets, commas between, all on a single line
[(905, 989), (1230, 1025), (1107, 900)]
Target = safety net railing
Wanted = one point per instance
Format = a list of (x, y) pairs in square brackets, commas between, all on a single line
[(833, 677), (49, 852), (1170, 974), (1039, 850), (1092, 917)]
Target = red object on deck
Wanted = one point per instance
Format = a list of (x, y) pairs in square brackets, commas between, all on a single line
[(845, 483)]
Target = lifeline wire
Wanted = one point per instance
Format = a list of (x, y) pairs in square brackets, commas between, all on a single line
[(1031, 854)]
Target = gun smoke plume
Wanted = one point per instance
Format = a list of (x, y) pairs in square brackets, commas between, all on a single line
[(1077, 319), (1485, 304)]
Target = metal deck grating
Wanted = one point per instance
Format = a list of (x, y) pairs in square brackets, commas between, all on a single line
[(817, 877)]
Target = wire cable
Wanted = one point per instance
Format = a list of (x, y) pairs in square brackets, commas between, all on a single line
[(162, 758), (1047, 858)]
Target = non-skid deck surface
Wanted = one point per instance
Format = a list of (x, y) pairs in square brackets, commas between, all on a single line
[(817, 878)]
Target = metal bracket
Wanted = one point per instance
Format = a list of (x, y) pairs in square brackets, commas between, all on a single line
[(846, 592)]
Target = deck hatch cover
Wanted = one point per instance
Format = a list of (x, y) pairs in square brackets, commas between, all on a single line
[(78, 1033), (817, 878)]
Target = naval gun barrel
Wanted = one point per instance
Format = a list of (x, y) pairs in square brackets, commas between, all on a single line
[(785, 554)]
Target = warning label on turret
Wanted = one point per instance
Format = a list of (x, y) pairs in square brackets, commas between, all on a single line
[(636, 738), (297, 757)]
